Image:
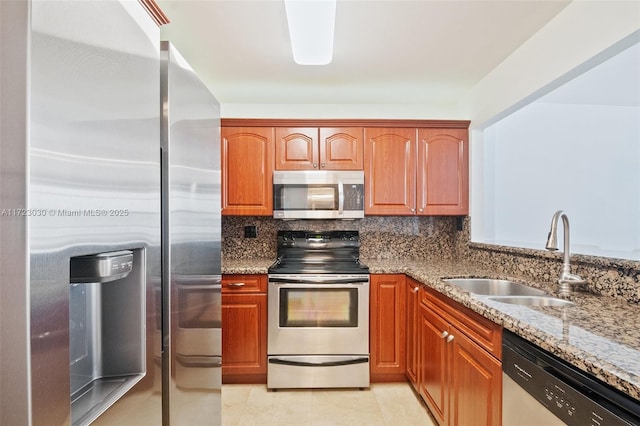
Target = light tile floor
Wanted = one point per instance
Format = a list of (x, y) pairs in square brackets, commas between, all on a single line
[(393, 404)]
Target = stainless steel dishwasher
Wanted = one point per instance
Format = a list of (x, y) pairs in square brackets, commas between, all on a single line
[(541, 389)]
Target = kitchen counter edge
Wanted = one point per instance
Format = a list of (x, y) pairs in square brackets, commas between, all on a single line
[(589, 335)]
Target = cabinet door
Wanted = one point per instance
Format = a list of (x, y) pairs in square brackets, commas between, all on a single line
[(387, 332), (244, 338), (443, 172), (341, 148), (240, 283), (297, 148), (390, 171), (476, 384), (412, 302), (434, 363), (247, 170)]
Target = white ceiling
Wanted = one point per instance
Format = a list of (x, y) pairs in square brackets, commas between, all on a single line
[(385, 52)]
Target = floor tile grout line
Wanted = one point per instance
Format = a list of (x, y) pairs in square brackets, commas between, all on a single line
[(398, 391)]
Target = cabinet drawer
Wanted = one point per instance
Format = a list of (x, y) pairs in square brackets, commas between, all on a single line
[(244, 284), (482, 331)]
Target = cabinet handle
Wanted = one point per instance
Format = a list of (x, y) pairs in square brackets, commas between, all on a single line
[(315, 165), (415, 289), (420, 210), (450, 339), (322, 165), (413, 210), (444, 334), (236, 284)]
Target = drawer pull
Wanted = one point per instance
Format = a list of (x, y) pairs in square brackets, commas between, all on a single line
[(444, 334), (236, 284)]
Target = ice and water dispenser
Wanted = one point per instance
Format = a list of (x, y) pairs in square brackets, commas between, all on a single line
[(106, 330)]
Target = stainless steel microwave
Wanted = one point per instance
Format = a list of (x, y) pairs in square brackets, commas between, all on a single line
[(318, 194)]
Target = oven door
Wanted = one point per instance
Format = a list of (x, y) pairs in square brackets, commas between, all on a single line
[(318, 315)]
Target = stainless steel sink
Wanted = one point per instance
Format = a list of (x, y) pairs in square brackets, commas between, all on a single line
[(491, 287), (532, 300)]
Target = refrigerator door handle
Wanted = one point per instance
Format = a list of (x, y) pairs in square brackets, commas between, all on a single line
[(199, 361), (199, 282), (198, 279)]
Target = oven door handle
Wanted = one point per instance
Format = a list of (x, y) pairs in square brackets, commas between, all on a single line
[(319, 282), (350, 361)]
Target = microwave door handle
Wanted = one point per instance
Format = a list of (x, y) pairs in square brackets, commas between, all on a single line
[(340, 198)]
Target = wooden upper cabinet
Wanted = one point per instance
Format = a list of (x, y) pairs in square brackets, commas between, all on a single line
[(411, 167), (443, 172), (296, 148), (421, 171), (390, 171), (341, 148), (307, 148), (247, 170)]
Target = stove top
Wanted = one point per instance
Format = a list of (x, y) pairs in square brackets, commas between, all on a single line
[(314, 268), (318, 252)]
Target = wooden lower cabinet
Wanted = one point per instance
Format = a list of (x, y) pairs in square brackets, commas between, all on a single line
[(387, 340), (459, 378), (244, 329), (433, 363), (475, 395), (412, 327)]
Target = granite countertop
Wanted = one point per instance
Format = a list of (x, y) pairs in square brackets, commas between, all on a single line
[(598, 334), (251, 266)]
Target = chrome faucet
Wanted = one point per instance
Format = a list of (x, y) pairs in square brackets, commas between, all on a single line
[(566, 277)]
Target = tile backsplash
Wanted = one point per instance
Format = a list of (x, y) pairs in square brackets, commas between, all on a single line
[(610, 277), (604, 276), (382, 237), (438, 238)]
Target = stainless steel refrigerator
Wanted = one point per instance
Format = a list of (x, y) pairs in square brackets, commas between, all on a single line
[(100, 248), (191, 234)]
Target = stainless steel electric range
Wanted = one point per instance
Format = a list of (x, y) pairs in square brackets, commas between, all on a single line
[(318, 328)]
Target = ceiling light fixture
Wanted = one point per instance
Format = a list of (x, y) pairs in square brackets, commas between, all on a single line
[(311, 25)]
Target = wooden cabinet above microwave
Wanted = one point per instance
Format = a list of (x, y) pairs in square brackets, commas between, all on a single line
[(325, 148)]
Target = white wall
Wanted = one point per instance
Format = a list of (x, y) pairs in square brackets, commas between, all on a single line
[(400, 111), (580, 32), (583, 159), (582, 156)]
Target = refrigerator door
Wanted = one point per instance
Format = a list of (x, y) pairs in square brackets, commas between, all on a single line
[(191, 233), (93, 186)]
